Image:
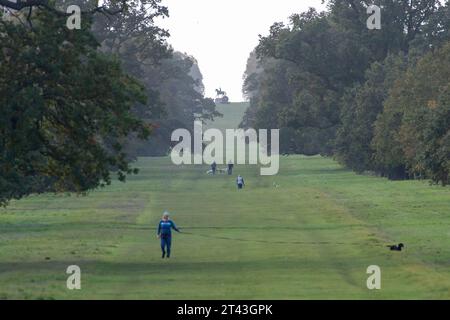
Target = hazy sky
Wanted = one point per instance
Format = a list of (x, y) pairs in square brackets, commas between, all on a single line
[(220, 34)]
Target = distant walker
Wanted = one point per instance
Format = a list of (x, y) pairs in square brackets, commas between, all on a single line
[(240, 182)]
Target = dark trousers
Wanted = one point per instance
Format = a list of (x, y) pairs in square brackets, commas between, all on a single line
[(166, 243), (240, 185)]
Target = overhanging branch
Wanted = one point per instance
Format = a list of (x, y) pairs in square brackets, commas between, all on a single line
[(23, 4)]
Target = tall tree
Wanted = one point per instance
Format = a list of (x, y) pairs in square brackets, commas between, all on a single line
[(321, 83), (65, 108), (361, 106), (412, 134), (172, 80)]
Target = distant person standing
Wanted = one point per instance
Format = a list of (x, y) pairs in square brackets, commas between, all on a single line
[(214, 167), (240, 182), (165, 233), (230, 168)]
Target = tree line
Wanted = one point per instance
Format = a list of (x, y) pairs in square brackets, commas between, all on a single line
[(375, 100), (77, 105)]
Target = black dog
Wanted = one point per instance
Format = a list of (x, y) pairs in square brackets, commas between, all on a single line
[(396, 248)]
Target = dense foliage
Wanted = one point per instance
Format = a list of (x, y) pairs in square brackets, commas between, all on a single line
[(75, 103), (334, 87), (64, 107), (172, 80)]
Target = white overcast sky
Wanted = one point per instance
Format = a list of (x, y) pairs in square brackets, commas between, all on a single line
[(220, 34)]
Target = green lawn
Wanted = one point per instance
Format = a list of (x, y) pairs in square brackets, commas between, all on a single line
[(233, 114), (312, 237)]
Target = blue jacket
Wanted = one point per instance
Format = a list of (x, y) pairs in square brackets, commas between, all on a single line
[(165, 228)]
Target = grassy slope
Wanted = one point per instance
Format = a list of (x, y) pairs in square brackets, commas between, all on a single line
[(233, 114), (313, 237)]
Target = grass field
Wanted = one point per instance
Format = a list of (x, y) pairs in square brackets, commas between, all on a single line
[(233, 114), (312, 237)]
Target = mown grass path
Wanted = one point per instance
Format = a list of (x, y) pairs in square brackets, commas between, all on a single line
[(312, 237)]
